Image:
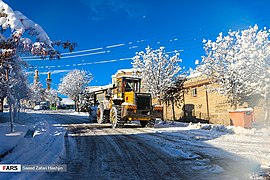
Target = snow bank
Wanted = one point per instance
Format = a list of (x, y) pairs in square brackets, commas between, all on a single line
[(197, 142), (242, 110), (46, 147), (208, 127), (47, 140), (9, 140)]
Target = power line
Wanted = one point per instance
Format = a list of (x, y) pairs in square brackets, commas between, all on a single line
[(78, 55), (35, 58), (84, 64)]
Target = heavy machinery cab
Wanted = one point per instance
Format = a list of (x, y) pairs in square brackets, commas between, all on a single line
[(131, 84), (126, 88)]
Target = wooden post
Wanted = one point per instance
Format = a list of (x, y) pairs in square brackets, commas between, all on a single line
[(207, 103)]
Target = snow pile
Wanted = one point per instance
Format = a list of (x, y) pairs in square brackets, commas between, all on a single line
[(219, 128), (46, 146), (47, 140), (70, 112), (164, 124), (202, 142), (9, 140), (41, 128), (189, 126), (222, 128)]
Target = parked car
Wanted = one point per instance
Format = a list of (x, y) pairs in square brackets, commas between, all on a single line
[(43, 107), (37, 107), (40, 107)]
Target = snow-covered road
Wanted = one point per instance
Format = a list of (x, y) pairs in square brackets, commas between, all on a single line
[(154, 153), (179, 151)]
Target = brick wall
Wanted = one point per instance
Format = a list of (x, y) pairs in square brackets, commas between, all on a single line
[(201, 102)]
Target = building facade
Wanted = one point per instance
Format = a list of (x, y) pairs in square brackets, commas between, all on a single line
[(202, 103)]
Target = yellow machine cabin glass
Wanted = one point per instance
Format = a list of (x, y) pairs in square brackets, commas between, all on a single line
[(131, 85)]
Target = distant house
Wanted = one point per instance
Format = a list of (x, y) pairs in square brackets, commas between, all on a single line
[(67, 103), (98, 93), (201, 103)]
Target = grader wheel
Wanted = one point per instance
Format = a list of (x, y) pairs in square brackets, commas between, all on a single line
[(143, 123), (115, 117)]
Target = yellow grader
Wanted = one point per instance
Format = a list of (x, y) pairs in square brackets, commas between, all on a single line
[(125, 102)]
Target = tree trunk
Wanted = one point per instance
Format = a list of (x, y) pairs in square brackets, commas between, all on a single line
[(76, 106), (166, 111), (18, 112), (266, 109), (173, 111), (234, 106), (11, 112), (15, 112)]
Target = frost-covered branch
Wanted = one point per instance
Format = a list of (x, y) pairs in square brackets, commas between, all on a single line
[(239, 64), (158, 70), (74, 82)]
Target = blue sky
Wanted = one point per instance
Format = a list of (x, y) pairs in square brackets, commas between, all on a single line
[(114, 30)]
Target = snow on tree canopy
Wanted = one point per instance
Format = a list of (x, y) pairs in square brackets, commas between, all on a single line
[(158, 69), (16, 36), (16, 21), (239, 63), (74, 82)]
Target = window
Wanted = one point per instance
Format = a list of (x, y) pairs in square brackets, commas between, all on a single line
[(194, 92), (131, 85)]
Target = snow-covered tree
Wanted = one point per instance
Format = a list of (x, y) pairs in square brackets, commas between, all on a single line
[(38, 92), (20, 35), (52, 96), (239, 64), (158, 70), (174, 94), (73, 83)]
